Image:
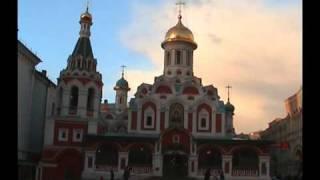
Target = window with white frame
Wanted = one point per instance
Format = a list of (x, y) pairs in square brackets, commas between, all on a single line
[(77, 135), (63, 134), (203, 120), (149, 118)]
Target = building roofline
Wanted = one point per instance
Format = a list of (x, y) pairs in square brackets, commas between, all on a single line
[(25, 49), (46, 78)]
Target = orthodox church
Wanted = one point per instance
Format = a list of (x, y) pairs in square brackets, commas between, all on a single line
[(174, 127)]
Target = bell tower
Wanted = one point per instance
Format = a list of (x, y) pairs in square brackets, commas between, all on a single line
[(79, 84), (121, 88)]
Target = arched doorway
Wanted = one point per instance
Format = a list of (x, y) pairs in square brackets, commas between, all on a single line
[(140, 159), (175, 165), (176, 116), (210, 157), (107, 157), (175, 149), (245, 162)]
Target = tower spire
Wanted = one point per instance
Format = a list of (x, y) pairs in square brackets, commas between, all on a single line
[(228, 87), (87, 8), (179, 4)]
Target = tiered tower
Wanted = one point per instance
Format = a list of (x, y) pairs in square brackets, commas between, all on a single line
[(79, 84)]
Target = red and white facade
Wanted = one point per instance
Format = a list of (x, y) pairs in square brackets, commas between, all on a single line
[(174, 123)]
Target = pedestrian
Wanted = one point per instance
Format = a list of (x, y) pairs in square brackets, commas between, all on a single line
[(126, 173), (101, 177), (111, 175), (221, 175), (207, 174)]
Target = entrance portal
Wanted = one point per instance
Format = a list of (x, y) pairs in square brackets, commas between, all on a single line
[(175, 165)]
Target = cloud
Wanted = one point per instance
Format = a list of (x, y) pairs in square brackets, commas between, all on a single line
[(255, 48)]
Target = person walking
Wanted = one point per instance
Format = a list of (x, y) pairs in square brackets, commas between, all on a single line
[(111, 175), (207, 174), (126, 173), (221, 175)]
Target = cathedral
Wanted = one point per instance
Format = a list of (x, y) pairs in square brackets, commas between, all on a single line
[(174, 127)]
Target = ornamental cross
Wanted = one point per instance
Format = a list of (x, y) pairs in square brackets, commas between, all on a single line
[(179, 4), (228, 87), (123, 66)]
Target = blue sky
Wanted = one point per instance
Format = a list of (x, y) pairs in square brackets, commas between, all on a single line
[(51, 29), (262, 63)]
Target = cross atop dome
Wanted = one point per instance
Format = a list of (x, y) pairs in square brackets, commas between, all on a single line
[(179, 4), (123, 66), (228, 87)]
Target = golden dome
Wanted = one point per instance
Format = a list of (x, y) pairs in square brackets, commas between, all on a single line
[(86, 16), (179, 33)]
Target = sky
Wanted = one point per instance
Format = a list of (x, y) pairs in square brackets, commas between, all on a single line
[(253, 45)]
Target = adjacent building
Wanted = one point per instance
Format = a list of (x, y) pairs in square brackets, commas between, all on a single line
[(287, 133), (34, 95)]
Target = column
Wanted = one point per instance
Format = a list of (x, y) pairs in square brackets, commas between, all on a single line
[(193, 165), (264, 166), (82, 103), (157, 164), (65, 101), (122, 160), (96, 104), (227, 165)]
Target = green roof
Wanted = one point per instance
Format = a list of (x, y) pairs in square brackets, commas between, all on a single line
[(83, 47), (122, 83), (229, 107)]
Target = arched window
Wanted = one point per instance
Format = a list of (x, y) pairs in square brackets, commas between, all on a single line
[(74, 99), (176, 115), (168, 58), (204, 120), (90, 100), (149, 118), (178, 57)]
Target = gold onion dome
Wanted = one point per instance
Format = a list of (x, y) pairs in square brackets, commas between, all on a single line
[(179, 33)]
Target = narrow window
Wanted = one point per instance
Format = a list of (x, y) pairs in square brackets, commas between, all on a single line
[(203, 122), (90, 99), (168, 58), (149, 121), (74, 99), (178, 57), (188, 58)]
